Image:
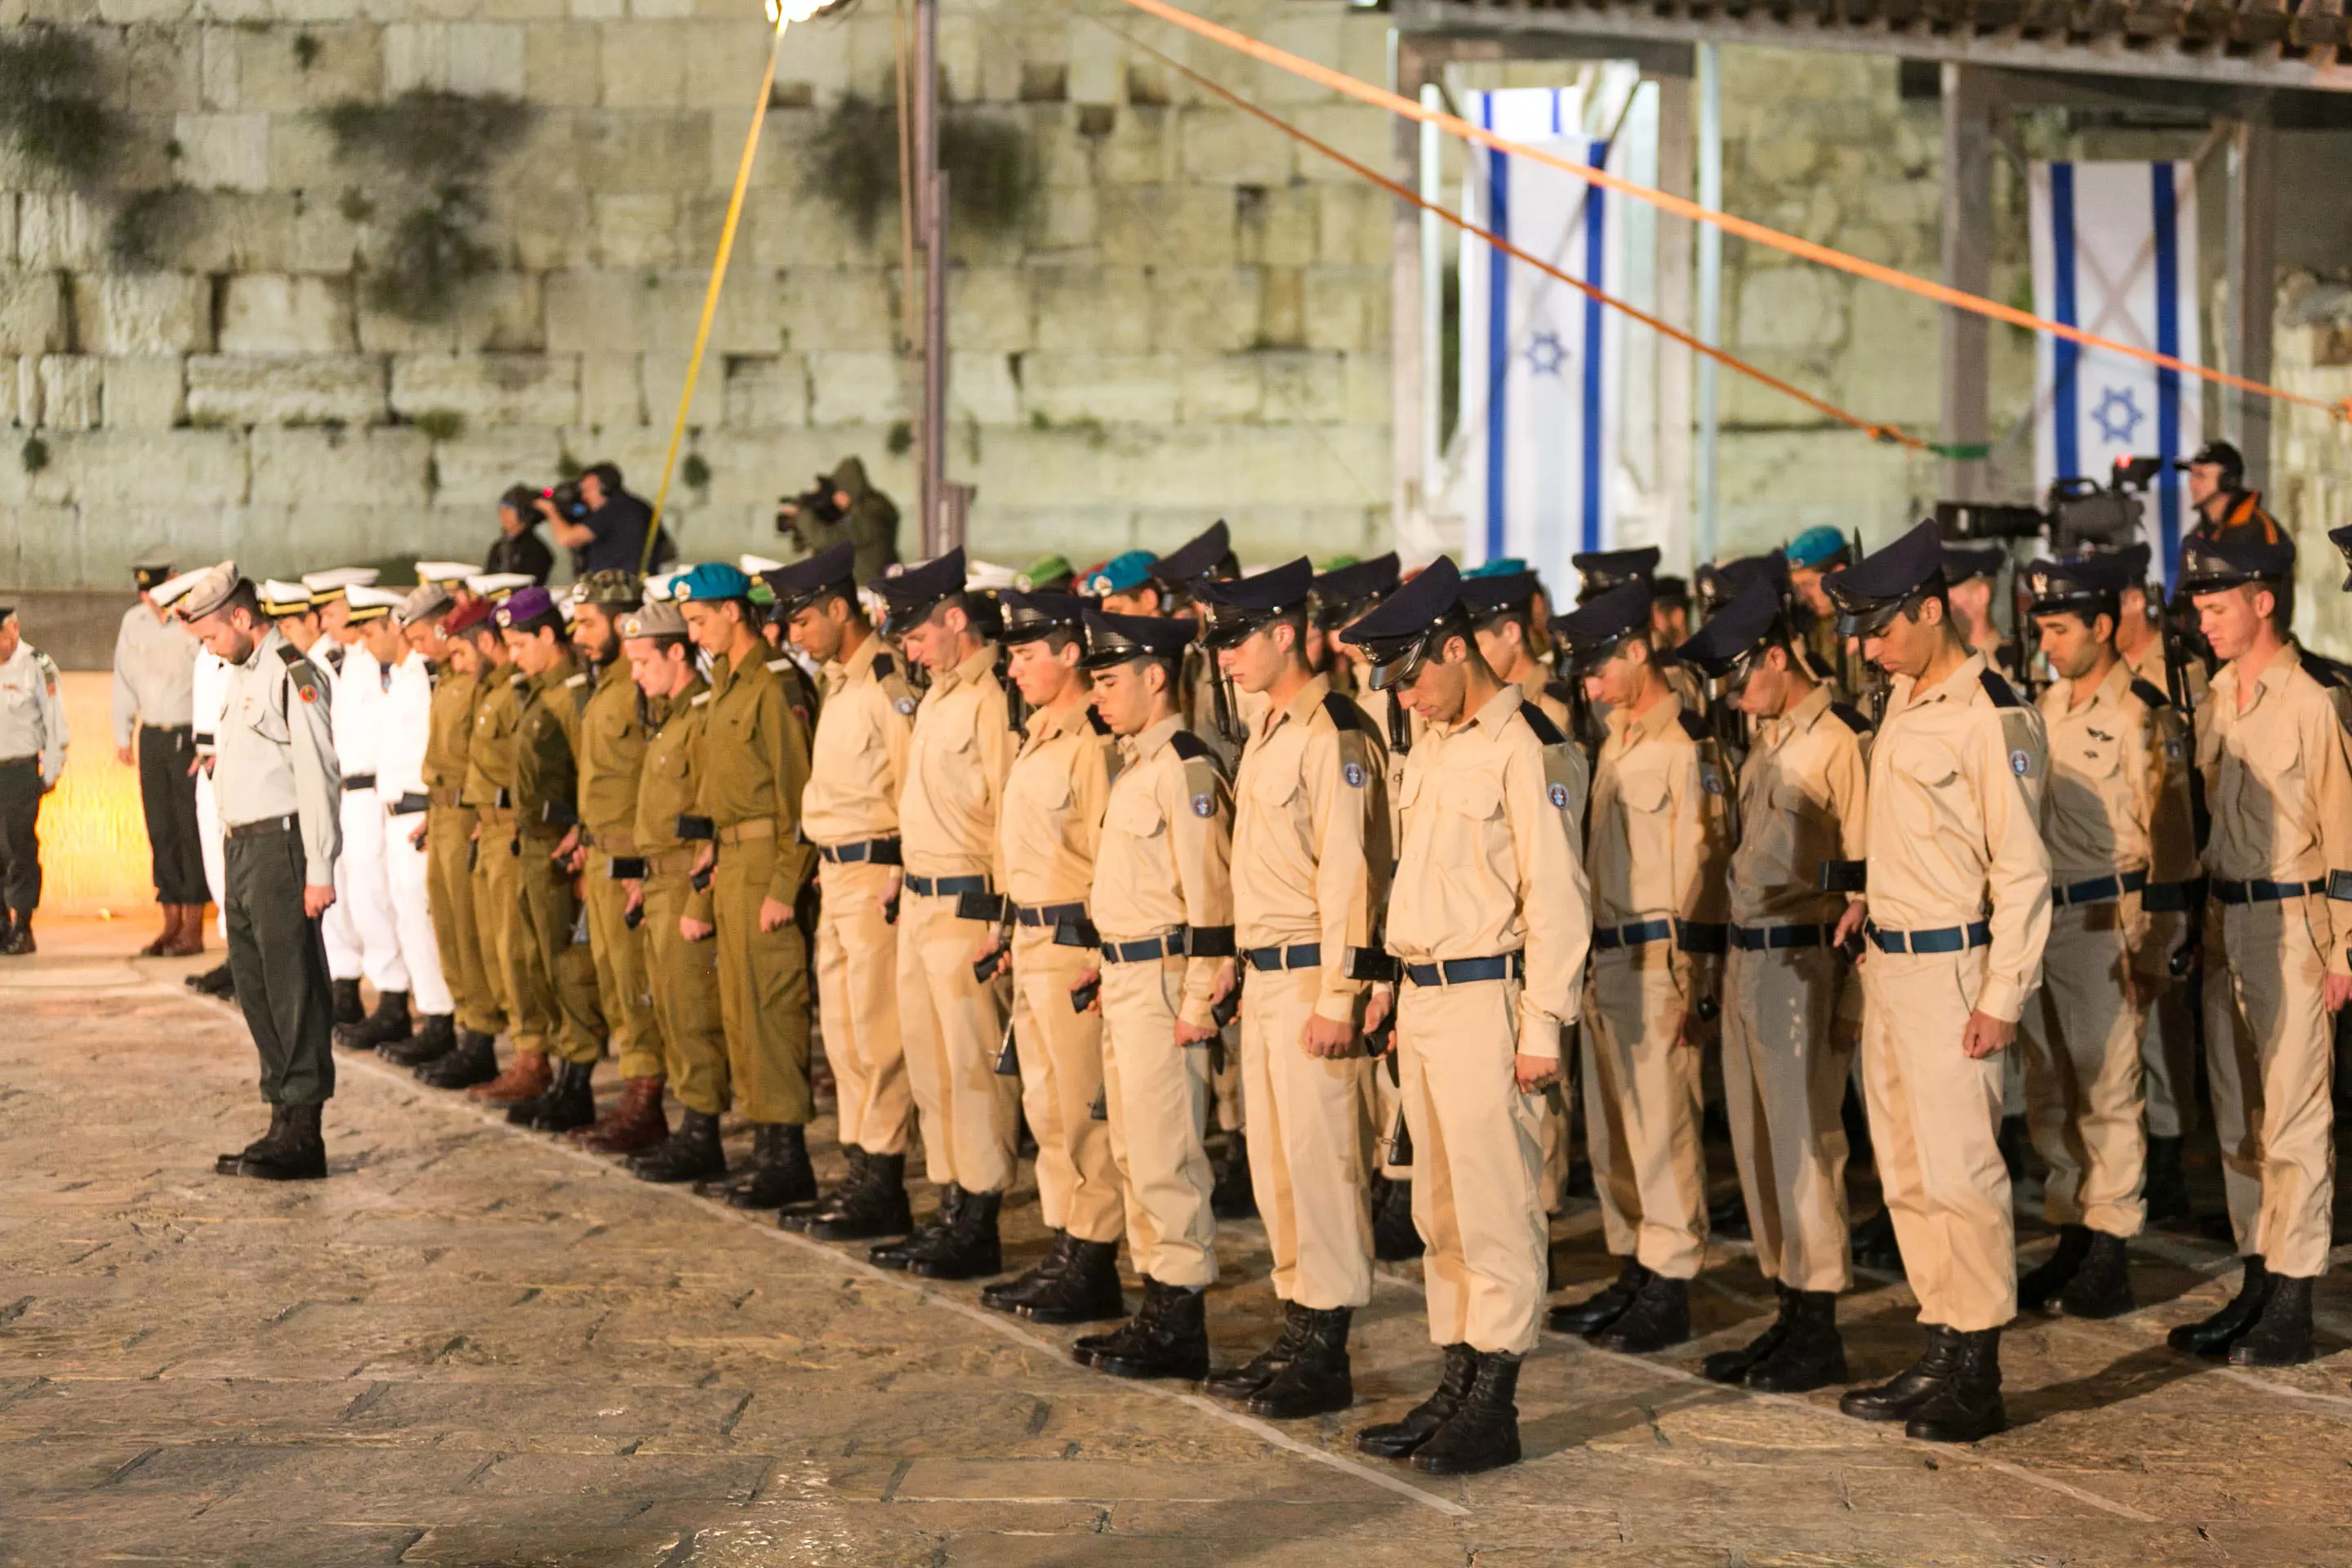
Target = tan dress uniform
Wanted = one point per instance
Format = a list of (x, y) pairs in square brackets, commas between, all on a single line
[(1548, 694), (1386, 1078), (683, 975), (1657, 840), (449, 848), (1956, 781), (1248, 712), (1163, 871), (2115, 816), (850, 811), (2168, 1049), (2278, 783), (1802, 793), (1310, 865), (611, 762), (1489, 918), (950, 1024), (497, 874), (755, 763), (557, 1007), (1047, 832)]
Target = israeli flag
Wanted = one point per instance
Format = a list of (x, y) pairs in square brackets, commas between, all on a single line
[(1535, 455), (2114, 252)]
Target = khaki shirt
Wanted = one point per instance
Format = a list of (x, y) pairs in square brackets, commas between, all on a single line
[(1050, 822), (612, 760), (449, 728), (275, 753), (1166, 855), (670, 786), (859, 761), (155, 673), (1659, 834), (2278, 784), (956, 762), (2119, 795), (546, 751), (1802, 799), (490, 754), (1489, 862), (1955, 781), (1311, 855), (755, 763)]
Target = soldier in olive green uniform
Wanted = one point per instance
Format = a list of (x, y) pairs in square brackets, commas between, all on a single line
[(460, 681), (846, 509), (497, 887)]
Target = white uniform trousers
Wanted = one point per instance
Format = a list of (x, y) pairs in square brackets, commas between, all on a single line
[(406, 867), (366, 903)]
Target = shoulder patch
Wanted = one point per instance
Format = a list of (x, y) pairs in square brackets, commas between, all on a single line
[(1998, 688), (577, 681), (1342, 710), (1693, 725), (1547, 733), (2150, 693), (1853, 718), (290, 654), (1189, 746)]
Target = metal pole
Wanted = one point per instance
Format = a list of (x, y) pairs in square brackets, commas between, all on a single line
[(932, 184), (1432, 299), (1710, 289)]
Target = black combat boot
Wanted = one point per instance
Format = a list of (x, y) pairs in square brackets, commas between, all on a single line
[(1169, 1338), (1731, 1366), (388, 1023), (2282, 1335), (799, 1217), (345, 995), (1967, 1406), (1317, 1381), (1603, 1307), (1483, 1434), (967, 1249), (429, 1043), (1086, 1291), (780, 1171), (2213, 1336), (875, 1207), (1811, 1355), (2102, 1287), (1398, 1439), (218, 980), (1230, 1196), (1244, 1380), (1658, 1317), (18, 940), (570, 1102), (2167, 1191), (1007, 1294), (1910, 1388), (901, 1254), (1394, 1236), (1875, 1243), (692, 1154), (2040, 1286), (475, 1060), (226, 1164), (299, 1155)]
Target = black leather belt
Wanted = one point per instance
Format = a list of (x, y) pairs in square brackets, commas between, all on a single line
[(2099, 890), (409, 804), (170, 729), (1948, 939), (1610, 938), (1762, 939), (874, 851), (1464, 971), (2259, 891), (1050, 914), (1304, 955), (1150, 950), (358, 780), (945, 886), (263, 828)]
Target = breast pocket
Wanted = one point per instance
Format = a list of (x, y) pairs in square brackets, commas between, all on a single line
[(264, 720), (1933, 790), (1136, 815)]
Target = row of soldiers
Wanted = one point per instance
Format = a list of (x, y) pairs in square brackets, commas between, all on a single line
[(1037, 853)]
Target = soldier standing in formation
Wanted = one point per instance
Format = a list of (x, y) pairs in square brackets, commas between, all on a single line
[(154, 714), (33, 740), (403, 713)]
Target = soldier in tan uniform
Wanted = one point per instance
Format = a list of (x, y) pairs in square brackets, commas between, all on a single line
[(1657, 838), (1601, 571), (1046, 834), (1310, 863), (2278, 782), (498, 873), (1958, 910), (951, 1021), (1164, 909), (754, 765), (850, 811), (2122, 855), (1488, 920), (672, 901), (1791, 1012)]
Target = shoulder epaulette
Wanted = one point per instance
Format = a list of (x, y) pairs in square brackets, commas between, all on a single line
[(1547, 733), (1343, 712), (1851, 717), (777, 665), (884, 667), (699, 700), (45, 662), (1562, 692), (2150, 693), (2326, 671), (577, 681), (519, 680), (1693, 725), (290, 654), (1998, 688), (1189, 746), (1095, 719)]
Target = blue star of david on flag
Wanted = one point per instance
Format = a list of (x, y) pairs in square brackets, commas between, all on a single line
[(2118, 415), (1546, 353)]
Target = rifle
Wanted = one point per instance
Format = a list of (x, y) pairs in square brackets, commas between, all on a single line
[(1400, 728)]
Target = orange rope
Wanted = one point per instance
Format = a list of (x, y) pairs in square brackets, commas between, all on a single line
[(1828, 410), (1681, 206)]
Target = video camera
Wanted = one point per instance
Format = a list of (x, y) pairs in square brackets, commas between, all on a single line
[(2080, 516), (816, 501), (568, 503)]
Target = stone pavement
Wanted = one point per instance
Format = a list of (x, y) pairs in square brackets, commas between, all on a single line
[(475, 1347)]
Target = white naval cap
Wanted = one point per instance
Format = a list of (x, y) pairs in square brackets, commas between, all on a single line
[(172, 590), (661, 587), (498, 585), (442, 571), (422, 603), (986, 576), (335, 578), (368, 601), (283, 598)]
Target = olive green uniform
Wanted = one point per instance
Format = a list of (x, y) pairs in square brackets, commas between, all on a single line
[(612, 759), (685, 975), (489, 783), (449, 848), (555, 977)]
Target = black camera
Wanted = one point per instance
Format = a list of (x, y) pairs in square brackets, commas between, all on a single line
[(568, 503), (815, 502), (2080, 516)]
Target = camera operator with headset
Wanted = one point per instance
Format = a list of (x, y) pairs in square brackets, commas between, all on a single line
[(519, 547), (603, 525), (2226, 510)]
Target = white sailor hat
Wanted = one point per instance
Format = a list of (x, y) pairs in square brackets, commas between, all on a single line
[(498, 585), (324, 585), (442, 571), (281, 598), (368, 601)]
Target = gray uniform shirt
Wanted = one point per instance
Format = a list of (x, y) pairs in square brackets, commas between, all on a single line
[(277, 752), (31, 714), (155, 673)]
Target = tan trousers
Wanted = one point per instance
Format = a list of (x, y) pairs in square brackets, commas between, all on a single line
[(555, 977), (2270, 1057), (763, 989), (1935, 1117), (2168, 1060), (952, 1026), (1157, 1094), (623, 985), (2080, 1040), (1642, 1111), (857, 1002), (449, 894), (1061, 1076), (1783, 1086), (1477, 1157), (684, 976), (497, 906), (1310, 1146)]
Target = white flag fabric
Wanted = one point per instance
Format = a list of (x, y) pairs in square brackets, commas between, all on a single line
[(2114, 252), (1536, 456)]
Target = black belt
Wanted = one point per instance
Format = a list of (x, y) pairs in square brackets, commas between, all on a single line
[(2259, 891), (1304, 955), (1948, 939), (358, 780), (1145, 951), (876, 851), (409, 804), (1761, 939), (2099, 890), (1610, 938), (1463, 971), (262, 828), (32, 762), (945, 886), (170, 729), (1050, 914)]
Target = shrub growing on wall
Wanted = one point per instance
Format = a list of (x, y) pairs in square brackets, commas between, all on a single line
[(990, 163), (51, 108)]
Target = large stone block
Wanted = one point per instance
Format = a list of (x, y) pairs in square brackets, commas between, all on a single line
[(8, 392), (59, 229), (1347, 308), (611, 394), (498, 315), (1790, 308), (317, 389), (489, 389), (988, 309), (272, 75), (982, 387), (26, 405), (1204, 310), (1170, 225), (561, 63), (831, 308), (1101, 389), (383, 467), (1225, 147), (645, 65), (153, 467), (39, 544), (479, 463), (641, 151), (1227, 387), (224, 151), (665, 381), (1101, 309), (486, 57), (1305, 388), (144, 313), (71, 391), (32, 311), (280, 315), (145, 393), (852, 388), (7, 231), (766, 390), (636, 228)]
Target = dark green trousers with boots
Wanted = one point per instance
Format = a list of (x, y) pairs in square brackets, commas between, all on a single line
[(280, 964)]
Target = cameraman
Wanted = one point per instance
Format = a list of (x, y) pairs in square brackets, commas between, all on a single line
[(519, 547), (2226, 512), (845, 507), (610, 536)]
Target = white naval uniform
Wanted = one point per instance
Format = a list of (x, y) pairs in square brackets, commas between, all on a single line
[(404, 723), (208, 691), (368, 927)]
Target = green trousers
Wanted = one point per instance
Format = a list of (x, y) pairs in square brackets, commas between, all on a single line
[(685, 998), (763, 990), (555, 977), (623, 990), (280, 964), (449, 893), (497, 907)]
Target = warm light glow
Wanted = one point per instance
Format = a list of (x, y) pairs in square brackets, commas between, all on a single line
[(94, 854), (784, 11)]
